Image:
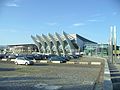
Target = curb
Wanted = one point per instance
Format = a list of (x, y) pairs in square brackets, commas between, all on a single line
[(95, 63), (84, 63), (55, 61), (43, 61), (107, 84), (4, 59), (73, 62), (70, 62)]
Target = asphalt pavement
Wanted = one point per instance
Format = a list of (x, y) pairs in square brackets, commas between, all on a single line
[(50, 76)]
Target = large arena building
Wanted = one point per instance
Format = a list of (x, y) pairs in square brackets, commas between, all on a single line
[(65, 44)]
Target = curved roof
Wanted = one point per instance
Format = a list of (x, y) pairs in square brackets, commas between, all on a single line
[(84, 39)]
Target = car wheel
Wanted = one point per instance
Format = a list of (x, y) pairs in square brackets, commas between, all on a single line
[(16, 63), (26, 63)]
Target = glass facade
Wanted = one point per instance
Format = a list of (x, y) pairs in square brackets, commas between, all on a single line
[(96, 49)]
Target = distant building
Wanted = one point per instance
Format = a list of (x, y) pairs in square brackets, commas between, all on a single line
[(2, 48), (61, 44), (22, 48), (96, 49)]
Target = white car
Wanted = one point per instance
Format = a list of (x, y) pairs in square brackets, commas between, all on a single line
[(23, 60)]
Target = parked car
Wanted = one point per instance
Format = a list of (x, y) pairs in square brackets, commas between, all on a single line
[(24, 60), (51, 55), (38, 57), (12, 56), (2, 56), (45, 56), (74, 56), (66, 58), (57, 58)]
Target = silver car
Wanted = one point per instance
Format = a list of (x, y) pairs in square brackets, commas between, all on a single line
[(23, 60)]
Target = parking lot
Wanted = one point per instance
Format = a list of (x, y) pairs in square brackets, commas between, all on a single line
[(49, 76)]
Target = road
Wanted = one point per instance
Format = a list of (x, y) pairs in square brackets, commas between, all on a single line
[(49, 76)]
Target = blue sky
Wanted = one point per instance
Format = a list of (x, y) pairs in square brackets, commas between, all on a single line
[(19, 19)]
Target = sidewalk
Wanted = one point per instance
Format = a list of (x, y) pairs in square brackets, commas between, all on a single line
[(115, 75)]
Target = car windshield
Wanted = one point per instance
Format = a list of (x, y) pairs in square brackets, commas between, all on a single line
[(29, 58)]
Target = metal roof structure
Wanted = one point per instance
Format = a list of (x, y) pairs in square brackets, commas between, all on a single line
[(46, 43)]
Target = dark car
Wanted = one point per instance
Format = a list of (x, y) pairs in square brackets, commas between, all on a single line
[(2, 56), (66, 58), (12, 56), (57, 58), (45, 56), (38, 56), (74, 56)]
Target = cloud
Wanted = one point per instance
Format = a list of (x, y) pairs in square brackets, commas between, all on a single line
[(92, 20), (97, 15), (9, 30), (78, 24), (12, 3), (52, 24), (114, 13)]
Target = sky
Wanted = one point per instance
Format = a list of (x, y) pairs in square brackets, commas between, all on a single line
[(19, 19)]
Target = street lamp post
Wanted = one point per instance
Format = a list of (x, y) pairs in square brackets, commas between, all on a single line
[(111, 44), (115, 44)]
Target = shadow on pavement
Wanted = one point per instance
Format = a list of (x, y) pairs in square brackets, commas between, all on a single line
[(7, 69), (48, 87), (17, 78), (40, 64)]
